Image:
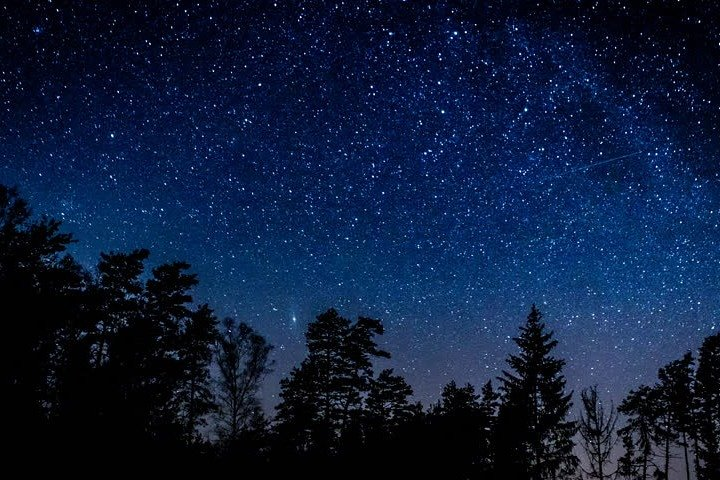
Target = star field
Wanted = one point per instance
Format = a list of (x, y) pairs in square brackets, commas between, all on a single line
[(440, 166)]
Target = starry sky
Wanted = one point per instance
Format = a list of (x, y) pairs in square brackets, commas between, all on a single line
[(438, 165)]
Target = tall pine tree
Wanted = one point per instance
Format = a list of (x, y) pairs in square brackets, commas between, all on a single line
[(322, 399), (708, 403), (35, 281), (639, 433), (534, 437), (489, 404), (456, 425), (195, 396), (676, 387), (387, 404)]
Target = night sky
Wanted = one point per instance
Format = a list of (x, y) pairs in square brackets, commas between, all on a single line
[(440, 166)]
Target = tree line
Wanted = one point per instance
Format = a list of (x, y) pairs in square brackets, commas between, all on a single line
[(122, 364)]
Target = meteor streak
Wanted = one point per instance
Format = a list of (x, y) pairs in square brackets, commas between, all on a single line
[(593, 165)]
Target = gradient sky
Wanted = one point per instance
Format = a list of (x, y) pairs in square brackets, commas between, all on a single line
[(440, 166)]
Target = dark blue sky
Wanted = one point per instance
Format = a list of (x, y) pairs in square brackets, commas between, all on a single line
[(440, 166)]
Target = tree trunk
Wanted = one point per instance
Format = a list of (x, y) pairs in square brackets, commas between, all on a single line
[(667, 457), (696, 459), (601, 475), (191, 411), (687, 460)]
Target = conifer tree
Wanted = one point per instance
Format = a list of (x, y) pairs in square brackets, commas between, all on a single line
[(627, 463), (120, 295), (195, 348), (708, 408), (677, 395), (35, 276), (323, 397), (640, 407), (489, 404), (298, 416), (387, 404), (457, 429), (534, 438), (167, 311)]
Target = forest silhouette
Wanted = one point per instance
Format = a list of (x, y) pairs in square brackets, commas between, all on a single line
[(120, 366)]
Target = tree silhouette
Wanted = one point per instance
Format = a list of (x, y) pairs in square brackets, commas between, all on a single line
[(457, 428), (597, 433), (534, 439), (195, 353), (297, 414), (35, 277), (676, 385), (628, 467), (167, 311), (387, 405), (640, 406), (489, 404), (120, 291), (708, 408), (242, 358), (664, 432), (117, 364), (321, 399)]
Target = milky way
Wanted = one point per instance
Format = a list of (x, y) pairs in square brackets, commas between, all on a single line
[(439, 166)]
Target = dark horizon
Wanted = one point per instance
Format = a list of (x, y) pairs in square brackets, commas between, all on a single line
[(123, 364)]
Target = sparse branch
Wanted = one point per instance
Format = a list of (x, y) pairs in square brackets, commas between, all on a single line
[(597, 433)]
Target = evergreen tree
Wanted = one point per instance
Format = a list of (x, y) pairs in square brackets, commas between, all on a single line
[(664, 433), (457, 430), (597, 433), (145, 365), (321, 399), (534, 438), (195, 394), (627, 463), (118, 304), (120, 294), (677, 392), (242, 358), (71, 401), (708, 408), (167, 312), (298, 415), (489, 404), (387, 405), (36, 277), (389, 424), (640, 408)]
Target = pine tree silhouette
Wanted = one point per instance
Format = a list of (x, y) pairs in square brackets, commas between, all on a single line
[(641, 409), (677, 380), (534, 438), (195, 395), (322, 397), (708, 408), (388, 405), (36, 283), (457, 428), (489, 404)]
